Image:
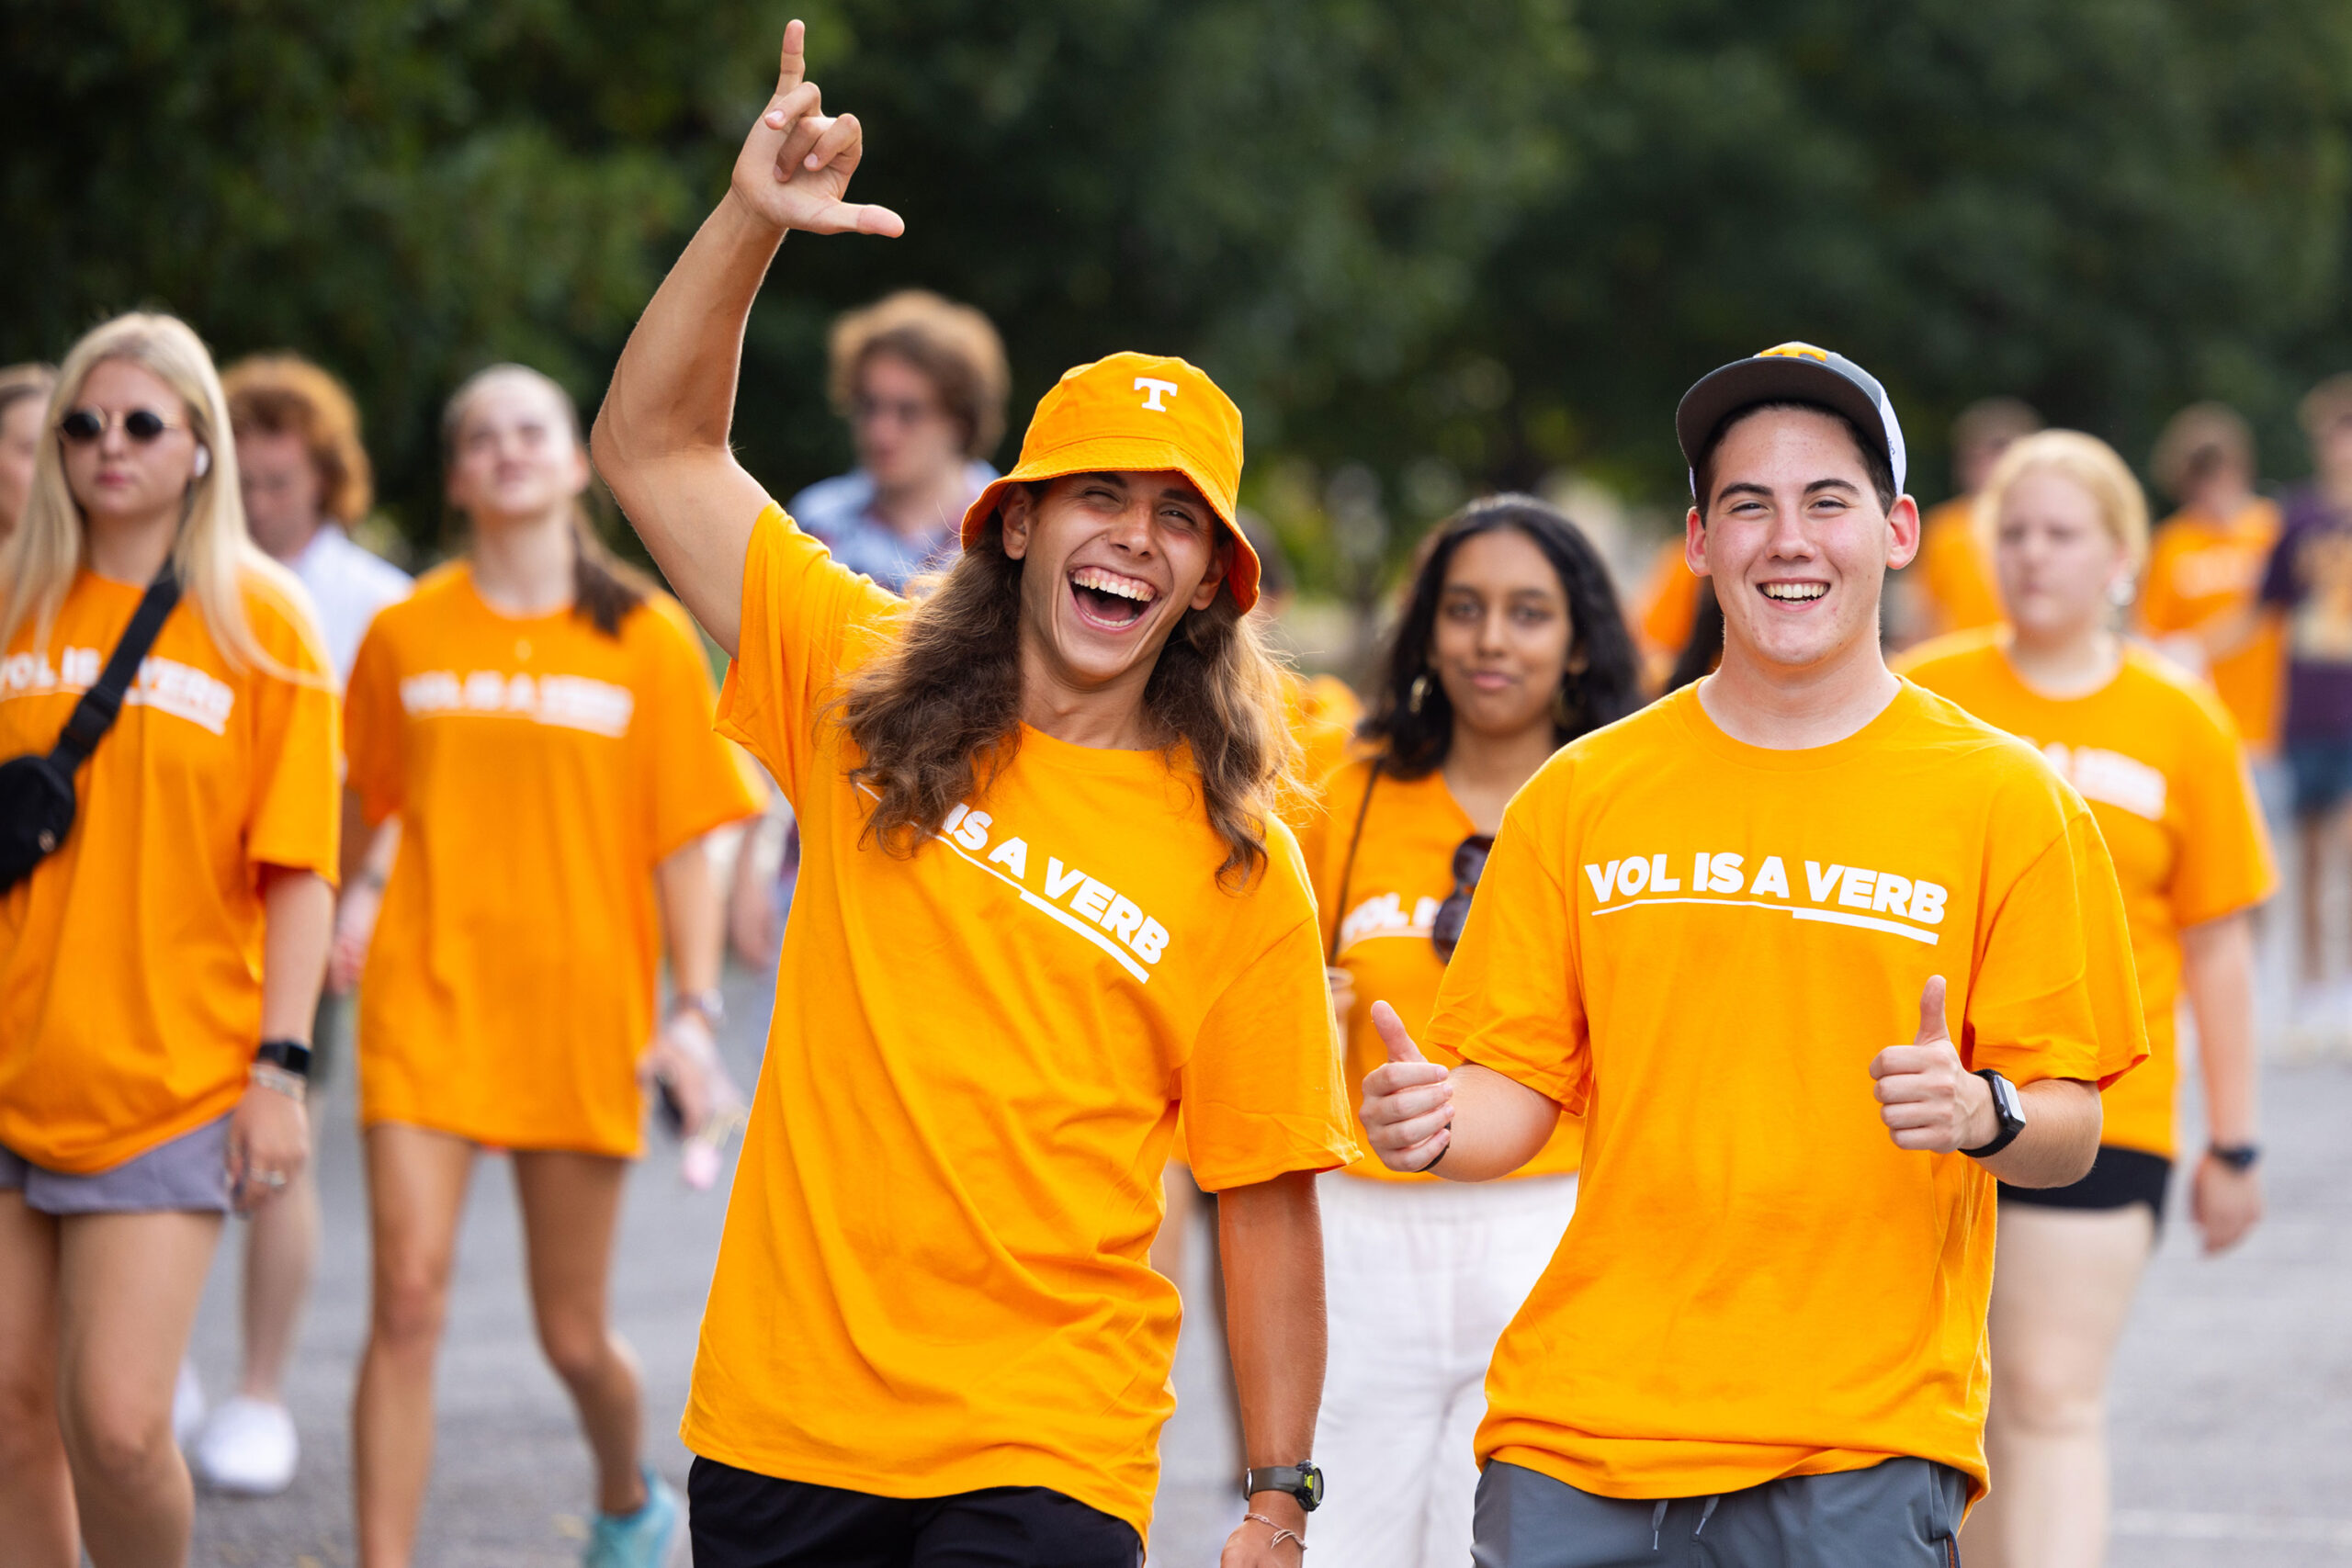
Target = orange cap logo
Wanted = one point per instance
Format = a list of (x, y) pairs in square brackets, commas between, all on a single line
[(1137, 413)]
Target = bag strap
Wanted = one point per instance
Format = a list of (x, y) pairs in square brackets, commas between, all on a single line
[(1347, 869), (96, 713)]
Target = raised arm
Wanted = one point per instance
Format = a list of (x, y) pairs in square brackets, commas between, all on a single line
[(660, 437)]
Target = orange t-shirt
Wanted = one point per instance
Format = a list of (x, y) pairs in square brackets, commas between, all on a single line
[(1323, 714), (935, 1273), (2200, 569), (130, 959), (1403, 869), (540, 770), (1955, 568), (2154, 755), (1700, 945), (1672, 608)]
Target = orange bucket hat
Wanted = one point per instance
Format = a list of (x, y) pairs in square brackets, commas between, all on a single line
[(1135, 411)]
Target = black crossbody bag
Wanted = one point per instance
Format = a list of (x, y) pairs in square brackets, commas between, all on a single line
[(37, 789)]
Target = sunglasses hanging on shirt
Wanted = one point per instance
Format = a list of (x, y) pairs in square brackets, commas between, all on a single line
[(1469, 865)]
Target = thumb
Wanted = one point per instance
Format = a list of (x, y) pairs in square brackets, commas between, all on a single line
[(1931, 1012), (1392, 1034)]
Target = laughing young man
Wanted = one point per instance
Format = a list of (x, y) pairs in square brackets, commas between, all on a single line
[(1817, 956), (1042, 902)]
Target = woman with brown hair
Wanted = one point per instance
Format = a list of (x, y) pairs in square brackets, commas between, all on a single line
[(531, 744), (1044, 904), (158, 968)]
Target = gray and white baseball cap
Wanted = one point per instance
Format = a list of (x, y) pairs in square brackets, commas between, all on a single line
[(1790, 372)]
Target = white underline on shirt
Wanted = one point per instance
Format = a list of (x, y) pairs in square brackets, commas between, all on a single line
[(1063, 916), (1834, 917)]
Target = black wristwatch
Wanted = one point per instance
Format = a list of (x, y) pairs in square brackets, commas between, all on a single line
[(2237, 1157), (1302, 1481), (2009, 1106), (291, 1055)]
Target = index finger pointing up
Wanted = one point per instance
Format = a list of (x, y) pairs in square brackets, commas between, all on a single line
[(792, 67)]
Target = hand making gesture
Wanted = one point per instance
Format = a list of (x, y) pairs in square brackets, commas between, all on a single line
[(795, 164)]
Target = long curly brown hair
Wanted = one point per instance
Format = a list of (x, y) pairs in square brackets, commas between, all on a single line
[(937, 718)]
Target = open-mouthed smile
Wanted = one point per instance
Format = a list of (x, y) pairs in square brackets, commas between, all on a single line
[(1109, 600), (1793, 592)]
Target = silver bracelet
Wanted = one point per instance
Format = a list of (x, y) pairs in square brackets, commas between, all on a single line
[(268, 1075)]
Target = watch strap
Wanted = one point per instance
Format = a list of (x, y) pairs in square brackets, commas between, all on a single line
[(2012, 1121), (1302, 1481), (290, 1055), (2237, 1157)]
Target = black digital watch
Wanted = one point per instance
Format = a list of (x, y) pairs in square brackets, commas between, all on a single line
[(290, 1055), (2009, 1106), (1302, 1481)]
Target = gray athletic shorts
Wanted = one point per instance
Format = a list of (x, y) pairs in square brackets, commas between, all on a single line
[(190, 1173), (1904, 1513)]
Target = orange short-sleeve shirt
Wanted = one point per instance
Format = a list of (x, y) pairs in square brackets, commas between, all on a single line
[(934, 1276), (540, 770), (2200, 569), (1700, 945), (1377, 906), (1955, 568), (1323, 714), (130, 959), (2156, 756)]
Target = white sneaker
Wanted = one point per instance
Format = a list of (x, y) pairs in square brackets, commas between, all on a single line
[(187, 1404), (247, 1447)]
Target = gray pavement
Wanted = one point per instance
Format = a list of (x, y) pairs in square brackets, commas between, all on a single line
[(2232, 1412)]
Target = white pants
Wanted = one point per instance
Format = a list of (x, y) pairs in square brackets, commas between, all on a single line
[(1421, 1277)]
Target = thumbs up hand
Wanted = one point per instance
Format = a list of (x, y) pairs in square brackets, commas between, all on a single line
[(1927, 1096), (1408, 1107)]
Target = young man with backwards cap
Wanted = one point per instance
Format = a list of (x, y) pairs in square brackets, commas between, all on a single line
[(1044, 902), (1817, 956)]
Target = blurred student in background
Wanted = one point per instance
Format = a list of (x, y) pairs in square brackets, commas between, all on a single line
[(304, 478), (24, 403), (1674, 602), (1511, 645), (922, 382), (1950, 587), (1322, 710), (158, 970), (2201, 602), (2158, 759), (531, 744), (2308, 584)]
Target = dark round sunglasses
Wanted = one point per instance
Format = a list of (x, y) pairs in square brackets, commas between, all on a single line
[(1469, 865), (81, 426)]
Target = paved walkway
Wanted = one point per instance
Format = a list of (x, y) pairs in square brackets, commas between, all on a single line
[(2233, 1413)]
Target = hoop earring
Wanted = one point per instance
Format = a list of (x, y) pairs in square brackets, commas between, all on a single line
[(1419, 693), (1567, 698)]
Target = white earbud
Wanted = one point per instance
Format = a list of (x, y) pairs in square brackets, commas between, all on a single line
[(203, 460)]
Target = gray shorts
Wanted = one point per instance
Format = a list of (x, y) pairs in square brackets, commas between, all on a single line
[(190, 1173), (1904, 1513)]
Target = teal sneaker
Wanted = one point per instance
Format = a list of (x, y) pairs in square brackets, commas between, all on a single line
[(642, 1539)]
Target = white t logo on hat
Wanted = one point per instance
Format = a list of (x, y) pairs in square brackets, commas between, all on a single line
[(1159, 390)]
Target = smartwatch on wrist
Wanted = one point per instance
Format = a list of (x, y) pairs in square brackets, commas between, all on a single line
[(1301, 1480), (2009, 1106), (288, 1056), (2239, 1157)]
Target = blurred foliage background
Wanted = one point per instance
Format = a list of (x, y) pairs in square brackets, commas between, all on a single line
[(1429, 252)]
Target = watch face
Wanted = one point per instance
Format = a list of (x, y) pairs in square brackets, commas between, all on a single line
[(2010, 1105), (1310, 1482)]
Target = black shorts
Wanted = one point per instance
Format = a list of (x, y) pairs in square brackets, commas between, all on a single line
[(2119, 1179), (739, 1519)]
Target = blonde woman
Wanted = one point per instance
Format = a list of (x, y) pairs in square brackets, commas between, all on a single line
[(533, 730), (158, 970), (2154, 753)]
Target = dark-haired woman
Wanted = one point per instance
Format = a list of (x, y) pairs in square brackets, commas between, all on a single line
[(1511, 645), (530, 738)]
